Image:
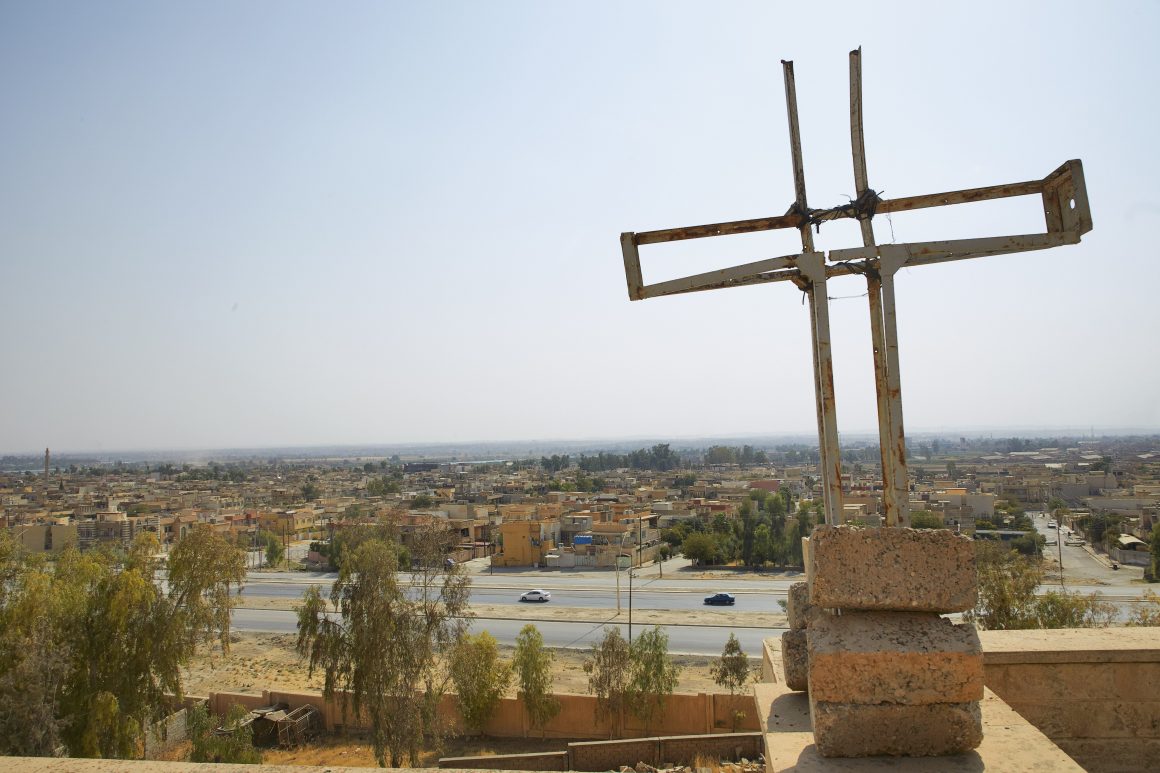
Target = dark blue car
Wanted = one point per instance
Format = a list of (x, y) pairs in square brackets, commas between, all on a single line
[(720, 598)]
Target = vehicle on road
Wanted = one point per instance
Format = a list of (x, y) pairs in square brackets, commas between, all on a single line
[(536, 595), (720, 598)]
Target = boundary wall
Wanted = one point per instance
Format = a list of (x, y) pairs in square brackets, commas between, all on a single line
[(610, 755), (684, 714)]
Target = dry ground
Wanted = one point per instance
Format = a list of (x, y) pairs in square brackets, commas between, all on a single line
[(263, 661)]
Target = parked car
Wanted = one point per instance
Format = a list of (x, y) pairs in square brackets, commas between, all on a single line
[(536, 595), (720, 598)]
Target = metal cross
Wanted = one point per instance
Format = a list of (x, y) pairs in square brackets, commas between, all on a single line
[(1065, 210)]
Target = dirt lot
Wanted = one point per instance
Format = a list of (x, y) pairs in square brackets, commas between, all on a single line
[(261, 661)]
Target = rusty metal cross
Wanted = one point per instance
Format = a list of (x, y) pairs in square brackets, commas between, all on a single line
[(1065, 210)]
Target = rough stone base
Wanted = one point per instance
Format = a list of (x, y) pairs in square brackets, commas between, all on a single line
[(905, 658), (852, 730), (794, 660), (798, 609), (918, 570)]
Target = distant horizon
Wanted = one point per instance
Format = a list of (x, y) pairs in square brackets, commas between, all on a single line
[(581, 444)]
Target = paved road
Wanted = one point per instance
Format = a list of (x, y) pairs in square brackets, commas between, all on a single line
[(1087, 568), (582, 597), (686, 639)]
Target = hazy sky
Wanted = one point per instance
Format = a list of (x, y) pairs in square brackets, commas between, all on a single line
[(244, 224)]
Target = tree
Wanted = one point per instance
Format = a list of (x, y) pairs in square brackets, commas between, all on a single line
[(533, 669), (699, 548), (235, 745), (480, 678), (731, 670), (384, 645), (311, 491), (117, 642), (421, 502), (608, 669), (274, 549), (1007, 598), (925, 519), (652, 676), (1154, 544)]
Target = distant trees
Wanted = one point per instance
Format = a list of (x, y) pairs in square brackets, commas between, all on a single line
[(387, 484), (533, 669), (479, 676), (925, 519), (762, 533), (384, 645), (699, 548), (311, 491), (90, 649), (273, 544)]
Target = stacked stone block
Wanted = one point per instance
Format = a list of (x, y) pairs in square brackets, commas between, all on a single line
[(887, 675)]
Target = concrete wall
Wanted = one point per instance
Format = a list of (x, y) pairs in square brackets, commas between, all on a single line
[(610, 755), (685, 714), (1131, 557), (1094, 692)]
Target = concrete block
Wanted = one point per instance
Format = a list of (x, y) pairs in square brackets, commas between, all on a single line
[(798, 608), (936, 729), (794, 660), (918, 570), (906, 658)]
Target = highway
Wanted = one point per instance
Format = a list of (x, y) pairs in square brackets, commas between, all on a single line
[(685, 639), (565, 595), (678, 590)]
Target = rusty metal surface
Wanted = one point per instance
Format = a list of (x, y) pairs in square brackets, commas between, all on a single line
[(795, 150), (813, 268)]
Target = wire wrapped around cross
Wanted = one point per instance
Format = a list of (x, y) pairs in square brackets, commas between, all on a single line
[(861, 208)]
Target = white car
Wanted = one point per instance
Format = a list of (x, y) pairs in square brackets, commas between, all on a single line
[(536, 595)]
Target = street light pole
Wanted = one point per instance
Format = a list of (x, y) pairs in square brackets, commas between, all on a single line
[(630, 576)]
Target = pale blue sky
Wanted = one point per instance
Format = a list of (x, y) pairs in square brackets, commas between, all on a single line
[(244, 224)]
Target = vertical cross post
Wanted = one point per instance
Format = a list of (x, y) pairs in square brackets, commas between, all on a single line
[(813, 270), (891, 447)]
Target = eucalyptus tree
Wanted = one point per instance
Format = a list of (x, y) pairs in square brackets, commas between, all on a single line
[(106, 642), (532, 664), (379, 646)]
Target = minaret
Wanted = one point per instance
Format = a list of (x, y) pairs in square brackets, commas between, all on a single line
[(45, 476)]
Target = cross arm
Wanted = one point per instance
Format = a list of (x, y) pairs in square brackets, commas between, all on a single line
[(1065, 208)]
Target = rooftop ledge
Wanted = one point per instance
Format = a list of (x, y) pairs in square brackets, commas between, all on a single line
[(1072, 645)]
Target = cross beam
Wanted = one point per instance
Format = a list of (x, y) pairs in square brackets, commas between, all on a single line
[(1067, 217)]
